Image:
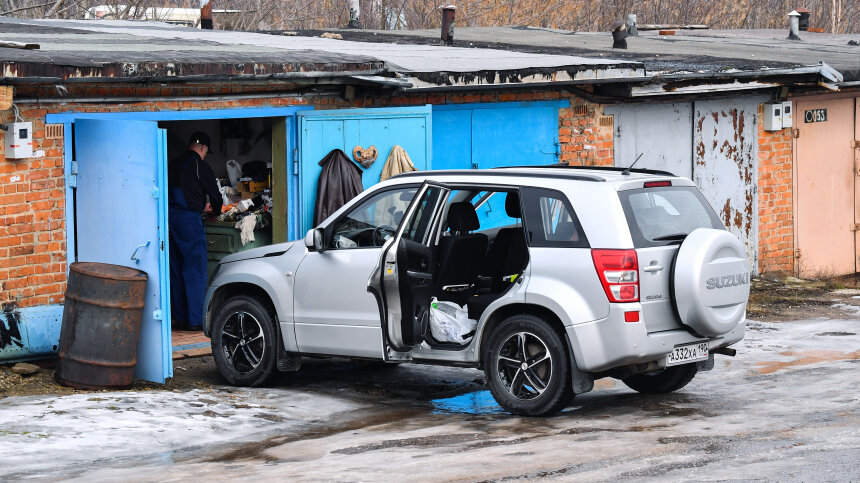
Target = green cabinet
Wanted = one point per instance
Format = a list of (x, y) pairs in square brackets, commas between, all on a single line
[(222, 239)]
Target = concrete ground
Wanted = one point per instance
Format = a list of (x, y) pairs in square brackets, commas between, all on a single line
[(786, 408)]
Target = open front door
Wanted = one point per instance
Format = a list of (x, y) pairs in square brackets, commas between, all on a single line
[(407, 270), (121, 218)]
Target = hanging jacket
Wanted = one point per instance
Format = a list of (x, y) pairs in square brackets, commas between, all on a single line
[(398, 162), (339, 182)]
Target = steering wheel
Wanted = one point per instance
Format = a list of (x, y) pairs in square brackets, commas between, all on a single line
[(382, 233)]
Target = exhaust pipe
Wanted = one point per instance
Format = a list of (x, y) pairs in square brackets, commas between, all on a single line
[(448, 12), (726, 351), (632, 29)]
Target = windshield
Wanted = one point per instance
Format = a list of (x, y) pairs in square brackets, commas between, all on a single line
[(666, 215)]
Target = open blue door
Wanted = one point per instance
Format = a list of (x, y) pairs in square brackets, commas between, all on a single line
[(345, 129), (121, 218)]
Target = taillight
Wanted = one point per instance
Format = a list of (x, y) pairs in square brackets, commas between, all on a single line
[(619, 273), (657, 184)]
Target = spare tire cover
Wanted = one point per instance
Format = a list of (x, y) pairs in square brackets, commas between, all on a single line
[(711, 281)]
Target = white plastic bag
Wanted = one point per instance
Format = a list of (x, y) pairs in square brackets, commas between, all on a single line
[(450, 323), (234, 171)]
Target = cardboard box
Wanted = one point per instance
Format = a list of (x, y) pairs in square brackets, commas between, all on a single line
[(257, 186), (247, 195)]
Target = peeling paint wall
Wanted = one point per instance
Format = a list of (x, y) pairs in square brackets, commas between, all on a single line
[(662, 133), (725, 164)]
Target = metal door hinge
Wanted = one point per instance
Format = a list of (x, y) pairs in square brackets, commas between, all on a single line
[(155, 193), (295, 162), (162, 245), (797, 253), (795, 132), (157, 315), (73, 174), (855, 226), (856, 144)]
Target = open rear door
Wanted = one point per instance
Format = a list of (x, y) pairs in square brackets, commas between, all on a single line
[(406, 268), (121, 218)]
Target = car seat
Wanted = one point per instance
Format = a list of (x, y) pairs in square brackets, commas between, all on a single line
[(459, 254)]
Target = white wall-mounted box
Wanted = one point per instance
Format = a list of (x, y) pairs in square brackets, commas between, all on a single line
[(787, 114), (19, 140), (773, 117)]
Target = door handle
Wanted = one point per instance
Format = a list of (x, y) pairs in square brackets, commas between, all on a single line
[(653, 268), (134, 254)]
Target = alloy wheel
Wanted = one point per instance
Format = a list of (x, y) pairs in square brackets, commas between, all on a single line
[(525, 365), (244, 341)]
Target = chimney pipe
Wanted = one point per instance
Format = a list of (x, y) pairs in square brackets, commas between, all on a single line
[(804, 18), (632, 29), (354, 14), (793, 25), (448, 12), (206, 14), (619, 34)]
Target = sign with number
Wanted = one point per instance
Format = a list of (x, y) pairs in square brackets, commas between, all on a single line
[(815, 115)]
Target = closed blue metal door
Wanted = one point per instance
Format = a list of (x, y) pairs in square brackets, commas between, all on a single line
[(121, 218), (346, 129)]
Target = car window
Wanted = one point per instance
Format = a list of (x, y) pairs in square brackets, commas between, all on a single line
[(373, 221), (418, 227), (550, 220), (490, 207), (664, 215)]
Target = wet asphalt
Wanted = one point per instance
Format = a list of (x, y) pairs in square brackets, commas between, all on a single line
[(787, 408)]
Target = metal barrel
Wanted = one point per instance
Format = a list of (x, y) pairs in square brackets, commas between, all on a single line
[(101, 326)]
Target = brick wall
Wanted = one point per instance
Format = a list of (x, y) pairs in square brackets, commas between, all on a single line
[(776, 220), (32, 191)]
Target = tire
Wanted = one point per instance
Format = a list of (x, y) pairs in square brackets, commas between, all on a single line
[(243, 341), (668, 380), (519, 391)]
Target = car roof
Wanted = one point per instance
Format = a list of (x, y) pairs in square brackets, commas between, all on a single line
[(554, 171)]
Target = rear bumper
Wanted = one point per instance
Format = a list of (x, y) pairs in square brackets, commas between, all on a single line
[(606, 343)]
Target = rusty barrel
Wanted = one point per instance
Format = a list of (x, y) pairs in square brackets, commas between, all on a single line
[(101, 326)]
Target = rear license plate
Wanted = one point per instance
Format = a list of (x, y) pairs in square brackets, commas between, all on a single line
[(687, 353)]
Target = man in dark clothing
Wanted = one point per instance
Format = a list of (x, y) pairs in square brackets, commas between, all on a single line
[(190, 181)]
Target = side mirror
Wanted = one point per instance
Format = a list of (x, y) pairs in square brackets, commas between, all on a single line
[(314, 240)]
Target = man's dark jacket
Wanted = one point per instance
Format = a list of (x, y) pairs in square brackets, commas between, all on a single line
[(196, 179), (339, 182)]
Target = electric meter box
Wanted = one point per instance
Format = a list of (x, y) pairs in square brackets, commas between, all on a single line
[(19, 140), (786, 114), (773, 117)]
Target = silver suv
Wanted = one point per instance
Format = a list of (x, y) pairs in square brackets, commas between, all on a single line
[(567, 275)]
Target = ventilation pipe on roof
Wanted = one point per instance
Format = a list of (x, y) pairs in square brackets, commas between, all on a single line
[(206, 14), (793, 25), (354, 14), (619, 34), (448, 12), (632, 29)]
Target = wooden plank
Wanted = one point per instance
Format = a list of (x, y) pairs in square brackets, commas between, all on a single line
[(6, 97)]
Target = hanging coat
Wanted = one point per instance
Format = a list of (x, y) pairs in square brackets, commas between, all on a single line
[(339, 182), (398, 162)]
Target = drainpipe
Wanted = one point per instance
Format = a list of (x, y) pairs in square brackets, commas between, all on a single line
[(448, 12), (206, 14), (632, 29), (354, 13), (793, 25)]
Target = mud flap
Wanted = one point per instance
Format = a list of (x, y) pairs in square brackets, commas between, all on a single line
[(287, 361), (581, 382), (707, 364)]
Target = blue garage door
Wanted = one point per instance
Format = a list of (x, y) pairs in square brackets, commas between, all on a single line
[(345, 129), (121, 218), (479, 136)]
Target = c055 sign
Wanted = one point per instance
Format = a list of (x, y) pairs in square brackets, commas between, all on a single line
[(815, 115)]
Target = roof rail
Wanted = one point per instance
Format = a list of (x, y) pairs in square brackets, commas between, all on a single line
[(494, 172), (598, 168)]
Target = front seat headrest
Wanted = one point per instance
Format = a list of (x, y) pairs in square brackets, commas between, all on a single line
[(512, 205), (462, 217)]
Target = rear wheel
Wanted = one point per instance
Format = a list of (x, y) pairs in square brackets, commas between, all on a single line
[(668, 380), (243, 341), (527, 368)]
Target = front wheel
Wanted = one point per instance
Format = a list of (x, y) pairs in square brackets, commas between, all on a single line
[(243, 341), (668, 380), (527, 368)]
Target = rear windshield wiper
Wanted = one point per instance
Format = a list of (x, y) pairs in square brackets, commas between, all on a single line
[(674, 236)]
